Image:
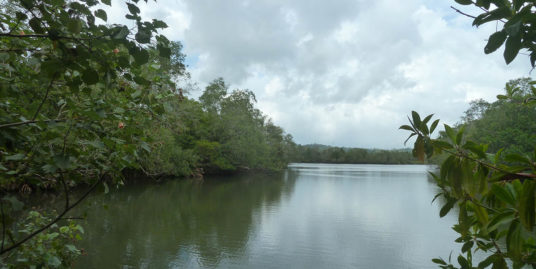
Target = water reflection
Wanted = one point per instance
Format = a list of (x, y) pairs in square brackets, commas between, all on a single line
[(313, 216)]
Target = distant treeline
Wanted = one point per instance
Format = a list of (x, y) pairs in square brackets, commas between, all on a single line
[(316, 153)]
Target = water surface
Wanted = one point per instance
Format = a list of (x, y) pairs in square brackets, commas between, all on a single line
[(310, 216)]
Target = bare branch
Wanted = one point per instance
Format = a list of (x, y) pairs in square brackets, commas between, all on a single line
[(461, 12)]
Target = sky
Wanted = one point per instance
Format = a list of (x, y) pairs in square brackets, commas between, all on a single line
[(341, 72)]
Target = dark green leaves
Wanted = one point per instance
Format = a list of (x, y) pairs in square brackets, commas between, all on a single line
[(163, 51), (495, 41), (503, 194), (99, 13), (143, 36), (35, 24), (120, 32), (496, 14), (90, 76), (20, 16), (464, 2), (526, 205), (512, 47), (447, 207), (141, 56), (62, 162), (133, 9)]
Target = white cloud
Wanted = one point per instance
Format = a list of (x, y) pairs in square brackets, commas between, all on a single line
[(341, 72)]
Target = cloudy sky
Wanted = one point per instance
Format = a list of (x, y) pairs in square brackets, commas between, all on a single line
[(340, 72)]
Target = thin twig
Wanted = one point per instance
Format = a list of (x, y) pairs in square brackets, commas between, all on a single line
[(46, 96), (59, 217), (488, 165), (65, 189), (13, 124), (461, 12)]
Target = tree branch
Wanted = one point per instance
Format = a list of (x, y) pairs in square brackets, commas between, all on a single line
[(461, 12), (46, 96), (509, 175), (59, 217), (13, 124)]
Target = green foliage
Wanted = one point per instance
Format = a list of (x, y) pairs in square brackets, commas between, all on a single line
[(325, 154), (82, 101), (54, 248), (495, 200), (495, 196), (504, 124), (517, 20)]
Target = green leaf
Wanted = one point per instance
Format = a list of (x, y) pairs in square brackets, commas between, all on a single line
[(141, 56), (416, 119), (75, 26), (36, 25), (406, 127), (500, 219), (439, 261), (463, 262), (499, 262), (464, 2), (501, 193), (513, 28), (16, 157), (526, 205), (90, 76), (496, 14), (425, 120), (143, 36), (447, 207), (20, 16), (16, 205), (480, 212), (476, 149), (486, 262), (133, 8), (514, 240), (513, 45), (459, 136), (159, 24), (120, 32), (62, 162), (163, 51), (410, 136), (495, 41), (450, 133), (136, 94), (434, 125), (71, 248), (99, 13), (107, 2), (517, 158), (467, 246), (53, 261)]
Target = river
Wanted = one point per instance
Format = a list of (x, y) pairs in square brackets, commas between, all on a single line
[(309, 216)]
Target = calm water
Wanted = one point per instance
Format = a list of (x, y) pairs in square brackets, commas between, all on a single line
[(311, 216)]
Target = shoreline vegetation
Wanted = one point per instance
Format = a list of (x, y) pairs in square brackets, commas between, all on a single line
[(84, 103)]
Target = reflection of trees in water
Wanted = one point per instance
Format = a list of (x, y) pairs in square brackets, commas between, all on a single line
[(156, 226)]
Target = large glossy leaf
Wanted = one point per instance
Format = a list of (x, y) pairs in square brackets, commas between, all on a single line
[(526, 205), (495, 41), (512, 47)]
